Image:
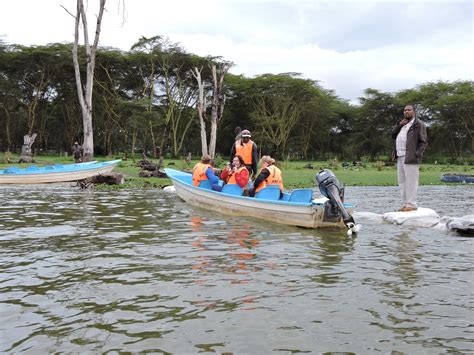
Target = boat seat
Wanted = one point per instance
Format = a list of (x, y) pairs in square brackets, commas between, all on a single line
[(285, 197), (232, 189), (269, 193), (301, 195), (205, 184)]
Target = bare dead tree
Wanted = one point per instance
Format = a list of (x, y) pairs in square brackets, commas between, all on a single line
[(219, 70), (84, 92), (201, 107)]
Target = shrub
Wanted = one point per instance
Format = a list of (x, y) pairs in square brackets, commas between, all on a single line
[(379, 165), (218, 160)]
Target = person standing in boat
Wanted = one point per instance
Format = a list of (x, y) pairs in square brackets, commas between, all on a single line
[(77, 152), (411, 141), (236, 173), (204, 171), (247, 149), (269, 175)]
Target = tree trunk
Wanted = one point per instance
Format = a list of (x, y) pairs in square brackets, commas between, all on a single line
[(85, 96), (7, 129), (307, 139), (214, 111), (38, 91), (153, 142), (467, 122), (26, 156), (108, 143), (218, 101), (134, 142), (201, 107)]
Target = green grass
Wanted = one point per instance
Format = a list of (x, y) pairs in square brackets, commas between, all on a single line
[(295, 174), (370, 174)]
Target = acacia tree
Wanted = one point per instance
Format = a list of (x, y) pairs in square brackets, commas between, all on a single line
[(138, 120), (448, 108), (315, 123), (179, 91), (32, 66), (277, 106), (168, 88), (145, 50), (201, 108), (460, 114), (219, 70), (64, 124), (376, 116), (9, 96)]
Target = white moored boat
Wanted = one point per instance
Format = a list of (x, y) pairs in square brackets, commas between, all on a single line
[(297, 208), (55, 173)]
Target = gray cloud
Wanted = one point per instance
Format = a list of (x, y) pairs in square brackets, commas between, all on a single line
[(347, 45)]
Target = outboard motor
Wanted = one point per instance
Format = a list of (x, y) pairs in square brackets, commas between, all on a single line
[(331, 188)]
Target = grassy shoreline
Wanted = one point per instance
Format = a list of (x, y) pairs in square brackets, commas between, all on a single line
[(296, 174)]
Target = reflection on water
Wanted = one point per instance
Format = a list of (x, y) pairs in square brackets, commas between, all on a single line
[(141, 271)]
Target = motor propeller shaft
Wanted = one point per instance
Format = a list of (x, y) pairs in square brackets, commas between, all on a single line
[(331, 188)]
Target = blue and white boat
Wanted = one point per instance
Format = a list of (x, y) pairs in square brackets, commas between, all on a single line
[(55, 173), (459, 178), (297, 208)]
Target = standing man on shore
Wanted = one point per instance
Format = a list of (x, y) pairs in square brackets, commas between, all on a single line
[(411, 141)]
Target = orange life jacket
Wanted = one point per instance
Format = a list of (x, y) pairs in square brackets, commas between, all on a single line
[(273, 179), (199, 173), (232, 177), (245, 151)]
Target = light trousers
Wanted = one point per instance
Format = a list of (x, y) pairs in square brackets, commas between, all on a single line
[(408, 176)]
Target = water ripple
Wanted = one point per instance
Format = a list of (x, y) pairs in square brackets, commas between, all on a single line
[(141, 271)]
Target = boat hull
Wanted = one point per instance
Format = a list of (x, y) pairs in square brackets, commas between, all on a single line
[(459, 178), (307, 215), (72, 173)]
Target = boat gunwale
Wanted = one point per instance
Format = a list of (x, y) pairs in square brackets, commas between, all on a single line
[(73, 168)]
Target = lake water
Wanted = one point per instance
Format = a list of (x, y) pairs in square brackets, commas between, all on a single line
[(141, 271)]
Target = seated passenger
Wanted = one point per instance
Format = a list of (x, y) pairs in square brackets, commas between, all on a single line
[(269, 175), (237, 173), (204, 171)]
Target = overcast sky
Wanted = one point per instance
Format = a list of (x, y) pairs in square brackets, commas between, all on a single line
[(347, 45)]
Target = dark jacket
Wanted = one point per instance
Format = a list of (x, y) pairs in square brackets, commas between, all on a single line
[(264, 174), (417, 141), (76, 151)]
